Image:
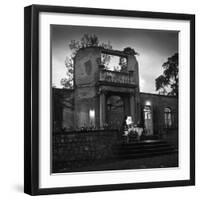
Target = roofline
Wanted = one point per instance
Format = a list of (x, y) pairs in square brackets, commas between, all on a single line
[(68, 89), (145, 93), (160, 95), (106, 51)]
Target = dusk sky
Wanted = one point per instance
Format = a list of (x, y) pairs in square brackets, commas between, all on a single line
[(154, 47)]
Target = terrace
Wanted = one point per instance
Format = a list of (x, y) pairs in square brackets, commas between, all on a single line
[(114, 69), (108, 76)]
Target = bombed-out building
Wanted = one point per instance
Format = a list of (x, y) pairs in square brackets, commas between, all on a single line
[(101, 97)]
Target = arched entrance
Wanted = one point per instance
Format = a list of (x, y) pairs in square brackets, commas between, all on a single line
[(114, 111)]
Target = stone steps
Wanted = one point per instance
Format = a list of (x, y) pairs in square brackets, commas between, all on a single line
[(139, 149)]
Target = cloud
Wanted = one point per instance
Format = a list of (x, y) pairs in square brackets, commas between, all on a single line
[(153, 46)]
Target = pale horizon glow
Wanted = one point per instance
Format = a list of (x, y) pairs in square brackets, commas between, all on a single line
[(153, 46)]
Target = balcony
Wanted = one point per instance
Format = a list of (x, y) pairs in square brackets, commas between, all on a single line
[(116, 78)]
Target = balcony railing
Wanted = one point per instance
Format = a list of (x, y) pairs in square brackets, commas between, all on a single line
[(116, 77)]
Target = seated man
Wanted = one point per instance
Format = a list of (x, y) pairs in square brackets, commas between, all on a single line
[(139, 130), (136, 131)]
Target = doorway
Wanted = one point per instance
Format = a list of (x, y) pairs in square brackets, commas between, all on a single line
[(148, 119), (115, 111)]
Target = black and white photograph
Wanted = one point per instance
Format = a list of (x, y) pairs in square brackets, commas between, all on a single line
[(114, 98), (109, 100), (99, 100)]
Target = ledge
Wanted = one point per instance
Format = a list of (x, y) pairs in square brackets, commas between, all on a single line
[(125, 85)]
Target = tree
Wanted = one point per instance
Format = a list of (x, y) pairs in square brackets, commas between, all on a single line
[(86, 41), (167, 83), (68, 81)]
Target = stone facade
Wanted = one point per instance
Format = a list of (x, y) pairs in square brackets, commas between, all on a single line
[(88, 118), (102, 98), (164, 110), (93, 85), (158, 104), (64, 112)]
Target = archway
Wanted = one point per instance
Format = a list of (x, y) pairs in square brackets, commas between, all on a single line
[(114, 111), (148, 119)]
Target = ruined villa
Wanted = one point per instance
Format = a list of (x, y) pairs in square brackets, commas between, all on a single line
[(102, 97)]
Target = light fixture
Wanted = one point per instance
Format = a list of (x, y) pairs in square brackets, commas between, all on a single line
[(92, 116), (148, 103)]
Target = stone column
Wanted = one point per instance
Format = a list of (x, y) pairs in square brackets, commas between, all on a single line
[(102, 109), (132, 107)]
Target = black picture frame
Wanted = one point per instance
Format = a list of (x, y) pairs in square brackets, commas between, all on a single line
[(31, 98)]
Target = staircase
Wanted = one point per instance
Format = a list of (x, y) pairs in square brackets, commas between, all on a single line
[(147, 148)]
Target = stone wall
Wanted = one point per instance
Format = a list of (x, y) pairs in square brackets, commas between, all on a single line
[(64, 113), (79, 146)]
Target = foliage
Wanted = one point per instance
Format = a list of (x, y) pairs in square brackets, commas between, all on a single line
[(86, 41), (167, 83), (130, 51), (92, 41), (68, 82)]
